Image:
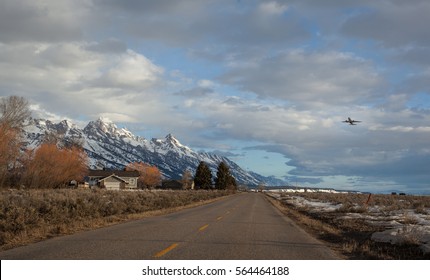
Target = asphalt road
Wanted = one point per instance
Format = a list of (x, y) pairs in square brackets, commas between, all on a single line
[(244, 226)]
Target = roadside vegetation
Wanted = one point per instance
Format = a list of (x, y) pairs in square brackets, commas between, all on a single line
[(363, 226), (37, 201), (32, 215), (57, 161), (52, 165)]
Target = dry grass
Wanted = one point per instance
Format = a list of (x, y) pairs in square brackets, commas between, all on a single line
[(352, 236), (31, 215)]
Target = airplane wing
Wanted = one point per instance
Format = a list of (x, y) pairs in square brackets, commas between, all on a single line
[(351, 122)]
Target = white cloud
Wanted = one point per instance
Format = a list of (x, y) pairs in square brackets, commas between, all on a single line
[(309, 79), (69, 77), (42, 20), (280, 74), (130, 70), (394, 23), (273, 8), (206, 83)]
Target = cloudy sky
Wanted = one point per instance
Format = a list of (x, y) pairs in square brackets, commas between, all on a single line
[(267, 83)]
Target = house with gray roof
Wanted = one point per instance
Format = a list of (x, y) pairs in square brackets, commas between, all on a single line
[(113, 179)]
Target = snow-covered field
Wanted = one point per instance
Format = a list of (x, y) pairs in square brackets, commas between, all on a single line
[(404, 219)]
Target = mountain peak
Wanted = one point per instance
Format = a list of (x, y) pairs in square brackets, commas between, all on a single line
[(102, 124), (109, 146), (105, 125), (104, 120), (67, 124), (170, 137), (175, 142)]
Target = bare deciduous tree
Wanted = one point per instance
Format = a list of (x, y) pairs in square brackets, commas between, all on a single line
[(14, 111), (187, 180)]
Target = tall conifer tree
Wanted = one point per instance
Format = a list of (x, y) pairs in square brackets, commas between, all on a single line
[(224, 179), (222, 176), (203, 177)]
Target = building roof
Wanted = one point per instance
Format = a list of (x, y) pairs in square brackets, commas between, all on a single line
[(171, 184), (115, 177), (119, 173)]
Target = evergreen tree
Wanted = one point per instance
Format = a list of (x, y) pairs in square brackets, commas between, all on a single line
[(232, 184), (222, 176), (203, 177), (224, 179)]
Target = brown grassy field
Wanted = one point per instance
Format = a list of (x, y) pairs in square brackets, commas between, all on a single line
[(348, 222), (31, 215)]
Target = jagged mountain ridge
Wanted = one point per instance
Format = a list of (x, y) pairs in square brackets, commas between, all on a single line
[(113, 147)]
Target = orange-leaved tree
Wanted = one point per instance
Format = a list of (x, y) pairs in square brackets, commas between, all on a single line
[(9, 150), (150, 176), (14, 111), (51, 167)]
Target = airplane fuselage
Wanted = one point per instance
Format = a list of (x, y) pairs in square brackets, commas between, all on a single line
[(351, 121)]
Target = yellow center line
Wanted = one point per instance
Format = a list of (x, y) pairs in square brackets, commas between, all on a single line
[(219, 218), (165, 251), (203, 227)]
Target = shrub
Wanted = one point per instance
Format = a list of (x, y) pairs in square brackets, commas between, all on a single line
[(38, 213)]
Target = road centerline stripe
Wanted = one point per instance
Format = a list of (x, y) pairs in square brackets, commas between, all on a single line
[(219, 218), (203, 227), (165, 251)]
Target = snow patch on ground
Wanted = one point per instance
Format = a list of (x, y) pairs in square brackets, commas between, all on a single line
[(401, 226)]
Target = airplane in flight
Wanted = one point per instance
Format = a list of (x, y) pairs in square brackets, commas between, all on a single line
[(351, 122)]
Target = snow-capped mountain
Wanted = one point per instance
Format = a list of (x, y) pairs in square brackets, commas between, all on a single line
[(113, 147)]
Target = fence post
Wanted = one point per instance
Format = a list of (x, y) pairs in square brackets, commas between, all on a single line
[(368, 199)]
